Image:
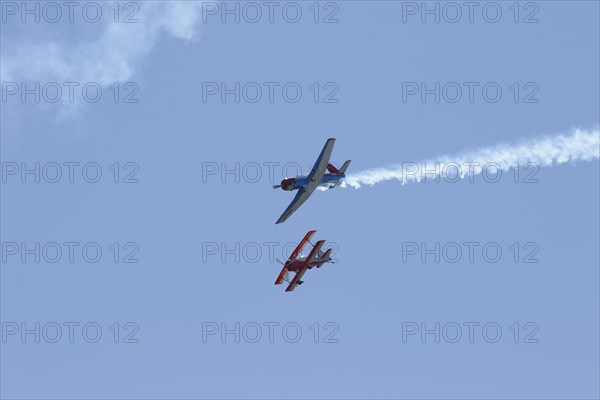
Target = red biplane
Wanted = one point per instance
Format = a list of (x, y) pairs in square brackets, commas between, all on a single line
[(300, 264)]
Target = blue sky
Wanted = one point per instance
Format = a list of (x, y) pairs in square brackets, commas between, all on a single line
[(376, 292)]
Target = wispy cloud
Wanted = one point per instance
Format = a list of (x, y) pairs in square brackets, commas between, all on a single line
[(579, 145), (113, 57)]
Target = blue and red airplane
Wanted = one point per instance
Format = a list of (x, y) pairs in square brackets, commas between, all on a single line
[(306, 184)]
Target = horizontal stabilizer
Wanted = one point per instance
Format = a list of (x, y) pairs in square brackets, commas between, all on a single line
[(345, 166), (332, 169), (323, 258)]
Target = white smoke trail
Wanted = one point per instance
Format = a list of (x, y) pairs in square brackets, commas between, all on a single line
[(579, 145)]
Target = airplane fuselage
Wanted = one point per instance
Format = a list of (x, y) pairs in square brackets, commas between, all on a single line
[(328, 181), (298, 264)]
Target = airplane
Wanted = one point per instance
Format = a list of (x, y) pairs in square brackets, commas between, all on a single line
[(300, 264), (306, 184)]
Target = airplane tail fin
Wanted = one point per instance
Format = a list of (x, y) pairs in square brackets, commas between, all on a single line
[(324, 257), (345, 166)]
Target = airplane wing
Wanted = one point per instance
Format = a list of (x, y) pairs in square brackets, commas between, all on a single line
[(295, 281), (315, 251), (316, 174), (314, 178), (282, 276), (301, 245), (300, 198)]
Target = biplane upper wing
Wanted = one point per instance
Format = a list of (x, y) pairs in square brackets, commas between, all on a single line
[(282, 276), (302, 195), (318, 170), (296, 279), (301, 245)]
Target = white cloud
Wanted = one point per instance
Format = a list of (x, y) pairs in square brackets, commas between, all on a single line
[(113, 57)]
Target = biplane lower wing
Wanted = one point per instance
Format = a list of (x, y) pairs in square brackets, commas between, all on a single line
[(296, 281), (315, 250)]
